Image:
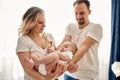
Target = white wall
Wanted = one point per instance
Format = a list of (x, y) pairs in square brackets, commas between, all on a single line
[(58, 14)]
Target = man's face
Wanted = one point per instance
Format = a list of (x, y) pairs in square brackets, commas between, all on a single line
[(81, 13)]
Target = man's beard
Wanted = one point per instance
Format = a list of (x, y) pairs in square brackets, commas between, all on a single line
[(81, 21)]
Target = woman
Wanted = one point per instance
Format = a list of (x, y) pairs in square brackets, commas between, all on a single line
[(32, 40)]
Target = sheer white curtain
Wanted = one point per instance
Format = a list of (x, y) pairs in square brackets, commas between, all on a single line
[(58, 14), (101, 13)]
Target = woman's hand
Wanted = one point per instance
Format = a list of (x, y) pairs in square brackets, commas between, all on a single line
[(72, 67), (56, 73)]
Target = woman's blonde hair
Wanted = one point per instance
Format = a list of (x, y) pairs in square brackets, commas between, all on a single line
[(29, 20)]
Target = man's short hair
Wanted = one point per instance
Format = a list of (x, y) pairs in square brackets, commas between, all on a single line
[(82, 1)]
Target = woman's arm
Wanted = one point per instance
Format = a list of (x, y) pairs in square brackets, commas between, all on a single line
[(36, 75), (31, 72)]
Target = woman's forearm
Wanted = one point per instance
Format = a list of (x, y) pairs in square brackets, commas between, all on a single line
[(34, 74), (31, 72)]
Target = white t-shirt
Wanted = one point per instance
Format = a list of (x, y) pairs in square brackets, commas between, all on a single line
[(88, 66), (26, 44)]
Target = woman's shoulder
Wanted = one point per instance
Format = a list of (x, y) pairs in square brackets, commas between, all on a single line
[(49, 36), (23, 38)]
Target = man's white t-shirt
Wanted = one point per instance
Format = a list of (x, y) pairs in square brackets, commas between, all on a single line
[(26, 44), (88, 66)]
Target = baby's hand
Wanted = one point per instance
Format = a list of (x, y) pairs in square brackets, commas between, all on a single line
[(49, 50), (51, 47)]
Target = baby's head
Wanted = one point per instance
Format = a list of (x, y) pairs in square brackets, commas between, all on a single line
[(68, 46)]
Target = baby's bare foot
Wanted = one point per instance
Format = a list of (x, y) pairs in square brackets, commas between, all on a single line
[(29, 63)]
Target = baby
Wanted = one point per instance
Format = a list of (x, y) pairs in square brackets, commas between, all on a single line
[(47, 63)]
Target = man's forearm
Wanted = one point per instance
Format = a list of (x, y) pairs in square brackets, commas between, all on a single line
[(79, 54)]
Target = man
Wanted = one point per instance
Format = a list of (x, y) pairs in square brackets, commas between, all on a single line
[(87, 36)]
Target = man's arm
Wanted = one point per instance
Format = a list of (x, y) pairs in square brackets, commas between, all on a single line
[(86, 44), (66, 38)]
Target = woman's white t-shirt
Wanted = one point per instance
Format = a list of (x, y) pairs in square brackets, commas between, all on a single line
[(26, 44)]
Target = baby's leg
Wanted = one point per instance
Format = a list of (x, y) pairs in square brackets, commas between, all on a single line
[(51, 58), (29, 62), (51, 67), (36, 58)]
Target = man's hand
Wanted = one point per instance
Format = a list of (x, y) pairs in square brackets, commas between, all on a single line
[(72, 67)]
